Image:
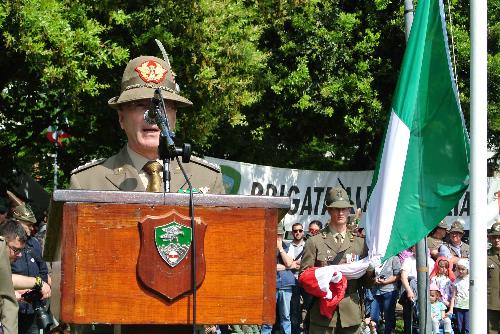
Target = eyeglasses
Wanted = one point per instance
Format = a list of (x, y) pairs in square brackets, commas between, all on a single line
[(15, 250), (298, 231)]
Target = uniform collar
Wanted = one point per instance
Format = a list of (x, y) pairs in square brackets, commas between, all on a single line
[(138, 161)]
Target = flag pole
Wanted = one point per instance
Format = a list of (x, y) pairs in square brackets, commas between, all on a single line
[(56, 148), (421, 247), (478, 187)]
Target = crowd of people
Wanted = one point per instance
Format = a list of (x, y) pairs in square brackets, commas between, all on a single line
[(25, 278), (392, 285)]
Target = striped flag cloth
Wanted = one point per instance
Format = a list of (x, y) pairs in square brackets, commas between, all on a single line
[(423, 167)]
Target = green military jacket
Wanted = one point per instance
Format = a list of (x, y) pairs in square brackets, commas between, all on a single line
[(8, 302), (118, 173), (493, 280), (318, 251)]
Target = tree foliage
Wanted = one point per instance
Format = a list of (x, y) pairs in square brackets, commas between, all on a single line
[(304, 84)]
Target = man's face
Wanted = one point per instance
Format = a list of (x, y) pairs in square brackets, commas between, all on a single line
[(456, 238), (313, 229), (339, 216), (298, 233), (143, 138), (440, 233), (495, 241), (15, 248)]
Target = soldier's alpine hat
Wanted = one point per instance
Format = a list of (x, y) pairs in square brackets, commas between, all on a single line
[(24, 213), (442, 224), (495, 229), (142, 76), (21, 211), (337, 198), (457, 226)]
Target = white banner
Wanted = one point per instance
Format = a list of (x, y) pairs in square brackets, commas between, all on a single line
[(307, 189)]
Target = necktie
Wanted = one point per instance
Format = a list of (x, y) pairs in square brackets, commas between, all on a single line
[(153, 169), (338, 238)]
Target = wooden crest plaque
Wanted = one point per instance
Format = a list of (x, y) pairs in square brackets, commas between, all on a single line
[(164, 264)]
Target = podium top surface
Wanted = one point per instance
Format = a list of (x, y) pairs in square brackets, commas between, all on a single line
[(177, 199)]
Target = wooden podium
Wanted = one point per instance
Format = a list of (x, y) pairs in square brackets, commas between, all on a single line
[(96, 236)]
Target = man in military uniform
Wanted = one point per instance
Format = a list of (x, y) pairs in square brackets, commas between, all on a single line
[(435, 238), (8, 303), (335, 245), (138, 164), (494, 279), (137, 167), (455, 247)]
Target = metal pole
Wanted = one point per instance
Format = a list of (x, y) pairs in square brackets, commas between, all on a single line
[(478, 187), (408, 17), (421, 247), (56, 146)]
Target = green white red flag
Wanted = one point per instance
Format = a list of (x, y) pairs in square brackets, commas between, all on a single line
[(423, 166)]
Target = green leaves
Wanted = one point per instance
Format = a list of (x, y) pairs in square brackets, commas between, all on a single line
[(303, 84)]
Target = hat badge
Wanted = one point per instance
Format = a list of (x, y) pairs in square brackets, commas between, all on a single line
[(339, 195), (496, 227), (151, 71)]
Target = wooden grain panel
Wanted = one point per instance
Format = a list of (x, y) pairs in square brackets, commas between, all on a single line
[(101, 251)]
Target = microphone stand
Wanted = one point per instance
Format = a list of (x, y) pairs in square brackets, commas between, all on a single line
[(167, 151)]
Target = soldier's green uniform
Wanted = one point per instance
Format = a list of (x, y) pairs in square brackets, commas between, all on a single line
[(8, 303), (494, 282), (321, 250), (118, 173), (122, 172)]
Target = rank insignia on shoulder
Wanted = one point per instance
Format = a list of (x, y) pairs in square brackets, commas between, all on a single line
[(88, 165), (205, 163)]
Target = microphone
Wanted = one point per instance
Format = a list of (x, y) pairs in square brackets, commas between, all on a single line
[(150, 117), (151, 114)]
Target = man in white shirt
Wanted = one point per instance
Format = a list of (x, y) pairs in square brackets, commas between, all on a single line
[(295, 251)]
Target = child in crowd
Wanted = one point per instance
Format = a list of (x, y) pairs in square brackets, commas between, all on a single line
[(438, 311), (443, 276), (460, 297)]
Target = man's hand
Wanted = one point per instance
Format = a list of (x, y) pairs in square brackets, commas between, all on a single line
[(295, 265), (19, 294), (410, 294), (279, 244), (46, 291)]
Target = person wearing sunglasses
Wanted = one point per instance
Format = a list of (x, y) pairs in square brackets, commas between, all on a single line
[(295, 251)]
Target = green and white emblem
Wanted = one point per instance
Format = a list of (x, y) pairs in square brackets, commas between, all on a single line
[(172, 242)]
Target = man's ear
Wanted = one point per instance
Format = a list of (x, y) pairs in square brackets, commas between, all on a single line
[(120, 118)]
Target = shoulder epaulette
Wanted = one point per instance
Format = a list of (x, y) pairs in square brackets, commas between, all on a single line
[(88, 165), (204, 163)]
